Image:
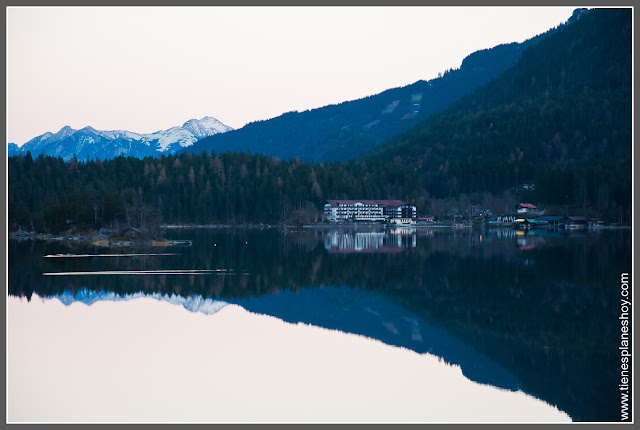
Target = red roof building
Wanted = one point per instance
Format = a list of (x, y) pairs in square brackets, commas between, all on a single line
[(523, 208)]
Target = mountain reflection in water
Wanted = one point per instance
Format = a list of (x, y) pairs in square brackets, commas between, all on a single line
[(535, 311), (348, 310), (151, 361)]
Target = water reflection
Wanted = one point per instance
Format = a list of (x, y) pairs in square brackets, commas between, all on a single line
[(338, 241), (546, 316), (369, 314), (192, 303), (155, 362), (223, 272), (345, 309)]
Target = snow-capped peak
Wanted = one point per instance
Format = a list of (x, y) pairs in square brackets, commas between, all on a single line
[(195, 303), (65, 131), (190, 132), (206, 126)]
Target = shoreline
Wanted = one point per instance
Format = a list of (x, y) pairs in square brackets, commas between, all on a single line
[(97, 240), (100, 239)]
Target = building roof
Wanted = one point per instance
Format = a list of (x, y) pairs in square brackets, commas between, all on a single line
[(381, 203), (550, 218), (527, 205)]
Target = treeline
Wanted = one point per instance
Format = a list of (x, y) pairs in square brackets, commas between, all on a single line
[(47, 193), (207, 188)]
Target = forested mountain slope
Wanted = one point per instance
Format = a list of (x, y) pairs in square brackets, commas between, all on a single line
[(342, 131), (560, 119)]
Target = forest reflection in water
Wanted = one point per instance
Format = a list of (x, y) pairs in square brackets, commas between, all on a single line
[(539, 309)]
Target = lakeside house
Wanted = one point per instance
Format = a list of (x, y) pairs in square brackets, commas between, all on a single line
[(550, 220), (526, 223), (595, 223), (505, 219), (575, 222), (554, 222), (526, 208), (427, 220), (395, 211)]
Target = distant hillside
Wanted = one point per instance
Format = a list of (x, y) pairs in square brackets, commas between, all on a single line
[(560, 119), (89, 143), (12, 149), (342, 131)]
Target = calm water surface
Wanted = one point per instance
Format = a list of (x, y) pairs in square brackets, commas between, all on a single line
[(318, 325)]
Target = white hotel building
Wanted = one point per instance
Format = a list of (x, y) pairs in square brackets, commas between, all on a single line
[(369, 210)]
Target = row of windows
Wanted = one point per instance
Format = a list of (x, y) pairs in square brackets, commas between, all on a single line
[(351, 208)]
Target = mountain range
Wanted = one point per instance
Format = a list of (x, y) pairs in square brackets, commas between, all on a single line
[(331, 133), (342, 131), (89, 143)]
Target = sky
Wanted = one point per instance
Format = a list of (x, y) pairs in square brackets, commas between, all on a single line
[(147, 69)]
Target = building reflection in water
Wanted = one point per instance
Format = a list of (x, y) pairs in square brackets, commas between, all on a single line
[(394, 240)]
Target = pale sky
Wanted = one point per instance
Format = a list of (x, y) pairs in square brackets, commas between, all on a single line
[(148, 69)]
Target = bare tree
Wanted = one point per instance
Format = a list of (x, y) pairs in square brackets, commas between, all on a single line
[(140, 215)]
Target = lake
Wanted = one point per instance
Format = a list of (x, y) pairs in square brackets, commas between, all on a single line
[(319, 325)]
